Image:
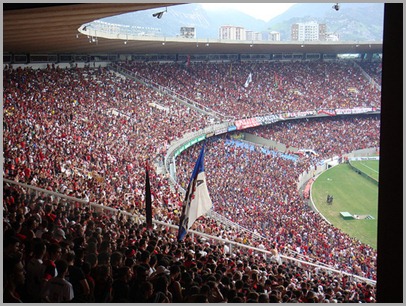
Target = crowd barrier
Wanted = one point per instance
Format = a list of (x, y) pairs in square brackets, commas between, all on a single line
[(311, 267)]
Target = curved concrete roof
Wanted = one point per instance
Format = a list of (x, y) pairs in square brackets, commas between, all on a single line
[(53, 28)]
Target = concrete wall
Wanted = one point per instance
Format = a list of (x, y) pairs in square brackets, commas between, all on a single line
[(265, 142)]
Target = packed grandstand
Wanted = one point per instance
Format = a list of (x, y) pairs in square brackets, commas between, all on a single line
[(76, 142)]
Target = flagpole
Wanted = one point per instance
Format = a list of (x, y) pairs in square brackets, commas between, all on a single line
[(148, 201)]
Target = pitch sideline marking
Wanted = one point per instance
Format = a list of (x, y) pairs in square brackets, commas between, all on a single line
[(369, 167)]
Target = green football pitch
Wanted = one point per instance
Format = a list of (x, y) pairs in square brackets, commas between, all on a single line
[(353, 193), (369, 167)]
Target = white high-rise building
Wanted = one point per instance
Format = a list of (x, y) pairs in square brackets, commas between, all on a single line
[(232, 33), (309, 31)]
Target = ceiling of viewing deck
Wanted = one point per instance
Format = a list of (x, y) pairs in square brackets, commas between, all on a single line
[(53, 28)]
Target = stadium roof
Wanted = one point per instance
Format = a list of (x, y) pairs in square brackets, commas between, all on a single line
[(53, 28)]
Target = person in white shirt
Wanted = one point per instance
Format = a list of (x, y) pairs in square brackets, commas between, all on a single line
[(58, 289)]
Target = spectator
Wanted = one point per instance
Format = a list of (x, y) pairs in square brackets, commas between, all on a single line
[(99, 162), (161, 292), (77, 277), (140, 276), (145, 293), (87, 269), (121, 285), (263, 298), (58, 289), (54, 253), (11, 246), (116, 262), (35, 270), (103, 284), (14, 277), (174, 286)]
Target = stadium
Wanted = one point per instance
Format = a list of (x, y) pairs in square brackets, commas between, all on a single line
[(97, 131)]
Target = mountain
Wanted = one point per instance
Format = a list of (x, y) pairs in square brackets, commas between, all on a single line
[(207, 24), (352, 22)]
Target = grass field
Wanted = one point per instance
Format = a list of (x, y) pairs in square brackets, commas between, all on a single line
[(352, 193), (369, 167)]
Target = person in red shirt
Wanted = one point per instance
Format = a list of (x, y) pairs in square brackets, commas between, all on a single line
[(54, 253)]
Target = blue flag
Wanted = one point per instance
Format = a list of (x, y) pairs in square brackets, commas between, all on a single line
[(197, 200)]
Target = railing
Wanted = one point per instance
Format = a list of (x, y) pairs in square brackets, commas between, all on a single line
[(216, 216), (231, 119), (223, 128), (232, 244), (188, 102), (187, 138), (368, 77), (170, 160), (170, 154)]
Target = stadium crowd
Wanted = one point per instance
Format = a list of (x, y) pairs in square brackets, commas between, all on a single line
[(88, 136), (276, 86), (59, 253), (374, 70), (89, 133), (334, 136), (258, 190)]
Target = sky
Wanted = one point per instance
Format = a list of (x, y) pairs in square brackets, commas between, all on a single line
[(263, 11)]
